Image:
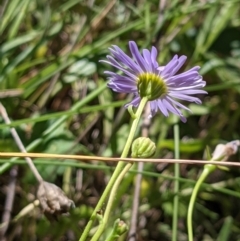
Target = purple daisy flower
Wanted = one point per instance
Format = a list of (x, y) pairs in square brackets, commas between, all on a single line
[(143, 77)]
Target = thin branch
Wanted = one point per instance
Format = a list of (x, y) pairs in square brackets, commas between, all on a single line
[(158, 40), (6, 216), (19, 144), (96, 22), (162, 6), (10, 93), (115, 159)]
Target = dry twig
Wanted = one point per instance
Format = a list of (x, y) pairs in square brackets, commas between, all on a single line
[(20, 144), (115, 159), (13, 175), (52, 199)]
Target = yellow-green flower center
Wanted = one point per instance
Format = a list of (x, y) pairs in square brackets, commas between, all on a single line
[(151, 86)]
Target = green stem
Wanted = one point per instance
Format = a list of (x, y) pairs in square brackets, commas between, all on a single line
[(134, 127), (112, 238), (118, 170), (176, 183), (206, 171), (110, 202)]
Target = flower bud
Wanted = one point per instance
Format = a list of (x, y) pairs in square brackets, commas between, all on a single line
[(143, 147), (53, 200), (120, 227), (223, 151)]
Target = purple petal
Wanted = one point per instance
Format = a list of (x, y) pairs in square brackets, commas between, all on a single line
[(173, 66), (135, 102), (125, 87), (177, 104), (147, 58), (185, 86), (154, 57), (170, 107), (174, 110), (138, 57), (120, 87), (169, 66), (125, 59), (115, 64), (120, 78), (153, 107), (191, 91), (162, 107), (180, 63), (185, 97), (183, 78)]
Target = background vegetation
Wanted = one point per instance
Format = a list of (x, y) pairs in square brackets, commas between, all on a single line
[(54, 90)]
